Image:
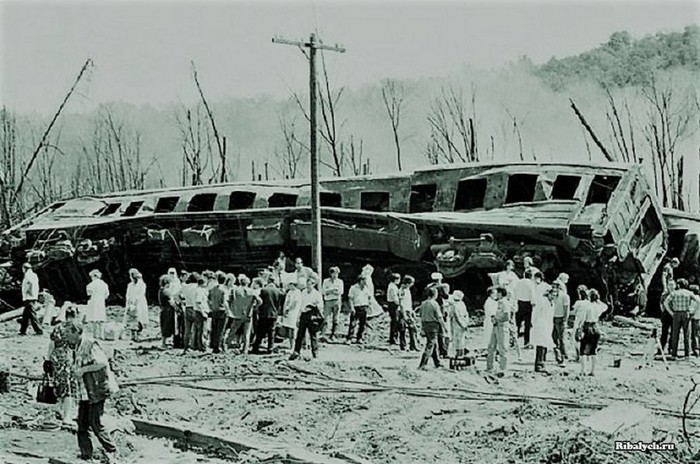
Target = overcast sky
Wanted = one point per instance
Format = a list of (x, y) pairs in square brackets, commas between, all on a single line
[(142, 50)]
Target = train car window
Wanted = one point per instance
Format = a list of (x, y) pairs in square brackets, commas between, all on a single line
[(166, 204), (241, 200), (602, 189), (521, 188), (133, 208), (282, 200), (375, 201), (565, 187), (202, 202), (422, 198), (332, 199), (109, 209), (470, 194)]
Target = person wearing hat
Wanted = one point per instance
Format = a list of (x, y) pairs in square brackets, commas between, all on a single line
[(332, 289), (30, 297), (98, 292), (172, 291)]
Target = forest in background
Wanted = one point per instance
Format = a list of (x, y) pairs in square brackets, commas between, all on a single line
[(630, 100)]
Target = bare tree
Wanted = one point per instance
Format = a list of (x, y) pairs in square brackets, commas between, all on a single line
[(353, 153), (453, 129), (289, 157), (196, 144), (9, 173), (515, 124), (669, 115), (113, 156), (218, 138), (393, 95)]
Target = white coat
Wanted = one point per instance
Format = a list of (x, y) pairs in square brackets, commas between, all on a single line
[(542, 322), (490, 309)]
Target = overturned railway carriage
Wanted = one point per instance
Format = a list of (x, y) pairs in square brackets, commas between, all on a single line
[(600, 223)]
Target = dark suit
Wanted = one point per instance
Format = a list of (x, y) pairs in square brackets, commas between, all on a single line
[(270, 307), (218, 306)]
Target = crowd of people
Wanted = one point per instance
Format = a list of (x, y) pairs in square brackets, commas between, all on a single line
[(289, 304)]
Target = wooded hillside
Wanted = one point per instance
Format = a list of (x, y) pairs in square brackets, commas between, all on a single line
[(637, 97)]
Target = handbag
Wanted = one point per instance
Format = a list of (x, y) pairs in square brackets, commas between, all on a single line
[(46, 392), (578, 335)]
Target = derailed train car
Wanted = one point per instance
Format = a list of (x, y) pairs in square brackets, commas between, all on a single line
[(600, 223)]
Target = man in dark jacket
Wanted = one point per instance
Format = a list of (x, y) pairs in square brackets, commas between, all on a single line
[(218, 305), (443, 294), (272, 300)]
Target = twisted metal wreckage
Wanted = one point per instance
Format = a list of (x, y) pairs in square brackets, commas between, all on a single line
[(600, 223)]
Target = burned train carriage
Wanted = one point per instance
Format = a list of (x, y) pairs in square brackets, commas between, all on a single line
[(595, 222)]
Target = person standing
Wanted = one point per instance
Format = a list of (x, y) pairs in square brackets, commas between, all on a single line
[(167, 309), (406, 316), (136, 303), (681, 301), (578, 309), (695, 321), (201, 313), (310, 319), (271, 301), (60, 364), (359, 298), (490, 310), (562, 305), (30, 296), (667, 274), (508, 279), (301, 272), (499, 332), (443, 290), (524, 294), (95, 383), (243, 301), (290, 314), (459, 323), (98, 292), (393, 303), (590, 335), (333, 289), (542, 326), (218, 305), (173, 292), (188, 295), (666, 316), (432, 324)]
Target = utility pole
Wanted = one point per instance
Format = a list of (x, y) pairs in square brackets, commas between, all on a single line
[(313, 45)]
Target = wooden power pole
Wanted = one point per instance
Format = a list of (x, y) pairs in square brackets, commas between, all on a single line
[(313, 45)]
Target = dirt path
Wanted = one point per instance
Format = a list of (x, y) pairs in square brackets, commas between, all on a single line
[(372, 402)]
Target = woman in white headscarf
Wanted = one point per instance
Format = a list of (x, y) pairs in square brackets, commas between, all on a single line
[(98, 292), (136, 302), (459, 321)]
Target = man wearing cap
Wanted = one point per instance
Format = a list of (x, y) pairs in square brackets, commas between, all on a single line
[(332, 289), (30, 295)]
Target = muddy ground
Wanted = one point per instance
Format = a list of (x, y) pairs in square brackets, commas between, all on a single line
[(370, 402)]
